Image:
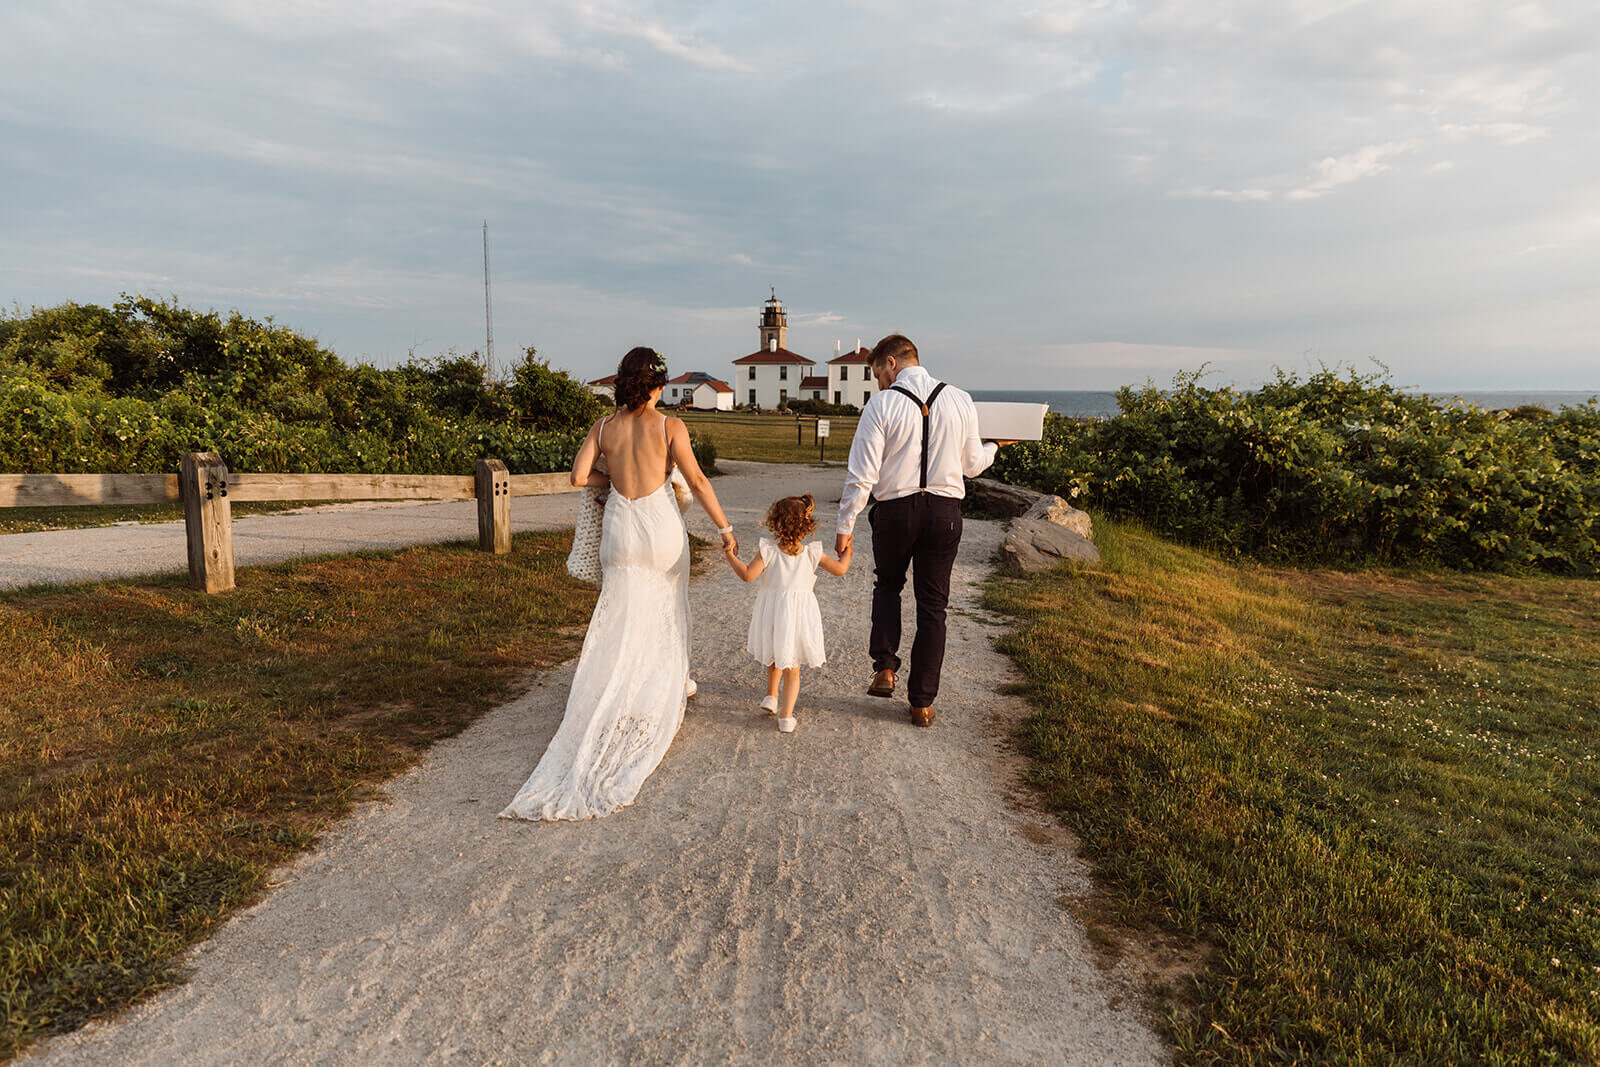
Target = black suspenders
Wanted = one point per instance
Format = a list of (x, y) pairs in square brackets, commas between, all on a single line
[(925, 405)]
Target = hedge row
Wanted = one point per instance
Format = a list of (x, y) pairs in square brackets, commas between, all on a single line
[(1336, 468), (131, 387)]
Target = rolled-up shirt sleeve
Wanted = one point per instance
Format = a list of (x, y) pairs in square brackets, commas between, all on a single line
[(976, 454), (861, 473)]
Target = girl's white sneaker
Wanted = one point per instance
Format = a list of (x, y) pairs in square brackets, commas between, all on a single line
[(786, 726), (769, 705)]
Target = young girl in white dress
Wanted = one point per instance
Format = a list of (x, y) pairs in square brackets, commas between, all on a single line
[(786, 626)]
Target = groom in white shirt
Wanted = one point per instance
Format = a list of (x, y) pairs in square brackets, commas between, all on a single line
[(916, 438)]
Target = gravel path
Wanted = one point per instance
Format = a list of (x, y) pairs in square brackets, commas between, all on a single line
[(857, 892), (130, 549)]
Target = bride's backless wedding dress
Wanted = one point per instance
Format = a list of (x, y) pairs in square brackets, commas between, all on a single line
[(627, 696)]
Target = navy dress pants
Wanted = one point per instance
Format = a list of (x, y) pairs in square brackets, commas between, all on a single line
[(921, 531)]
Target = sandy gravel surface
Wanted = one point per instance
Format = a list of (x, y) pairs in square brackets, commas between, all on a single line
[(857, 892), (130, 549)]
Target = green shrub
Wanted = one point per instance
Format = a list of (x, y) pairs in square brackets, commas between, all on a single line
[(554, 400), (705, 453), (131, 388), (1335, 469), (819, 407)]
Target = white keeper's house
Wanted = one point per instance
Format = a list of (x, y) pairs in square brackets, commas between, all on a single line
[(850, 379), (698, 389), (695, 388), (772, 374)]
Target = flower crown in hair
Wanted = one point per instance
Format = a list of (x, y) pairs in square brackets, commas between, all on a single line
[(660, 363)]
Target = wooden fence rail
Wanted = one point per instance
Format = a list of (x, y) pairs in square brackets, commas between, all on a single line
[(207, 490)]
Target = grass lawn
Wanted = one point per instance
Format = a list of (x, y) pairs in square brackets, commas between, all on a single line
[(79, 516), (162, 750), (1372, 800), (768, 438)]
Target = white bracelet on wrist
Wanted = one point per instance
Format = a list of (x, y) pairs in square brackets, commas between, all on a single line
[(725, 529)]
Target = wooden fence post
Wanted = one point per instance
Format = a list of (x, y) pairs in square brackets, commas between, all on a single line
[(494, 506), (208, 520)]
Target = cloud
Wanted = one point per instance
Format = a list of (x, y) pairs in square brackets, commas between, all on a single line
[(1334, 171), (1260, 176), (692, 50), (1511, 133), (1236, 195)]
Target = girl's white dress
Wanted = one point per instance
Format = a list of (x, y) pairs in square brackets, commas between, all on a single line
[(786, 626)]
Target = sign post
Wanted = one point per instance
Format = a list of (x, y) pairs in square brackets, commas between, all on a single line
[(822, 438)]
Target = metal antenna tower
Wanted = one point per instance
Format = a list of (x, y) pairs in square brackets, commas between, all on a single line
[(488, 309)]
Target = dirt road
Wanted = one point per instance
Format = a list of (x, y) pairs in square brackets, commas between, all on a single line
[(860, 891)]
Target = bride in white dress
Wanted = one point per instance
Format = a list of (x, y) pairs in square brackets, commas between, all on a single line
[(628, 693)]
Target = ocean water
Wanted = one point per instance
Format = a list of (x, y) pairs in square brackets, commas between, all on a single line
[(1101, 403), (1075, 403)]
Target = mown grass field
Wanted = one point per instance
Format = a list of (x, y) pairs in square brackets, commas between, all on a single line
[(769, 438), (161, 750), (1371, 800)]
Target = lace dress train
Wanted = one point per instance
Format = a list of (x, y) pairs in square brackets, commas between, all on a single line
[(627, 696)]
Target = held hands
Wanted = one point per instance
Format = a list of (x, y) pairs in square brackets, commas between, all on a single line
[(841, 564)]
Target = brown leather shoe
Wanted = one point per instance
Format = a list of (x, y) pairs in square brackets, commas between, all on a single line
[(922, 716), (882, 683)]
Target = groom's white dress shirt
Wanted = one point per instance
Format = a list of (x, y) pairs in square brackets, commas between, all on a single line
[(886, 454)]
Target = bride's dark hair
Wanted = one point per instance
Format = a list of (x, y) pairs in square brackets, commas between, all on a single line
[(641, 372)]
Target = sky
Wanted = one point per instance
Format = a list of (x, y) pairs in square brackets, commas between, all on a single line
[(1072, 195)]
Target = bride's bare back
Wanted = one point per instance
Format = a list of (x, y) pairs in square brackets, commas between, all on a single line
[(635, 446), (639, 447)]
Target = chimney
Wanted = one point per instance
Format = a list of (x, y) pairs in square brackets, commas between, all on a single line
[(836, 348), (772, 344), (858, 344)]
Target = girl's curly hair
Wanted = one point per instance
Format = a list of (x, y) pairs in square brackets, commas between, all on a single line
[(642, 371), (793, 519)]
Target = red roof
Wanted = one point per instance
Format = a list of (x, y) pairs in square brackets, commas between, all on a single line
[(609, 379), (782, 355), (814, 382), (682, 378), (721, 387), (860, 355)]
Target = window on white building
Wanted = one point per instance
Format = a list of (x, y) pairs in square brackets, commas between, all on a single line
[(838, 397), (752, 374), (866, 374), (783, 394), (783, 374), (752, 397)]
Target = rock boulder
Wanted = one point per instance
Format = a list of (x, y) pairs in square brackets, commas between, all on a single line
[(1039, 545), (1001, 498), (1054, 509)]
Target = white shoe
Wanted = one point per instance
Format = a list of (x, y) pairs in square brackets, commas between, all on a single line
[(769, 705), (786, 726), (690, 689)]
